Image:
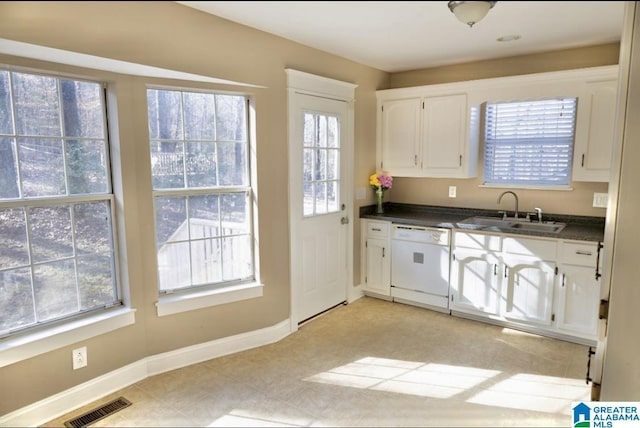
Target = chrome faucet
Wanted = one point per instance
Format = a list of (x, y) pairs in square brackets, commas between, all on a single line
[(515, 196)]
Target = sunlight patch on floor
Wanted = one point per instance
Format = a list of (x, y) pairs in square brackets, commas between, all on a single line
[(244, 421), (521, 391), (405, 377), (532, 392), (251, 418)]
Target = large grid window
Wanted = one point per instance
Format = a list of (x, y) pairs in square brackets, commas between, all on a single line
[(57, 255), (529, 143), (202, 193)]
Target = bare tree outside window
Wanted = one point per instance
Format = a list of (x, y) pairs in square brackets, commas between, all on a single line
[(57, 255), (200, 173)]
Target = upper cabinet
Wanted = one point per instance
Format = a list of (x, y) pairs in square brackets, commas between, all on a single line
[(434, 130), (400, 128), (426, 136), (595, 131)]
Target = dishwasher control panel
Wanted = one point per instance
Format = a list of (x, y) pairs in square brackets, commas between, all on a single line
[(429, 235)]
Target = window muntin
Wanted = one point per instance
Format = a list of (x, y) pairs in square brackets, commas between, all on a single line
[(57, 257), (529, 143), (202, 196)]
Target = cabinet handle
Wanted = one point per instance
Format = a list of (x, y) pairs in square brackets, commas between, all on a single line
[(582, 164), (495, 269), (563, 280), (506, 269), (415, 160), (460, 160), (376, 229), (584, 253), (382, 251), (590, 353)]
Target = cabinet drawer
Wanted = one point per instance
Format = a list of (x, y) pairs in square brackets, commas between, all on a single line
[(579, 253), (477, 241), (378, 229), (545, 250)]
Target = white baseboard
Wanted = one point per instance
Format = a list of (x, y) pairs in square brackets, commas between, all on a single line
[(64, 402), (354, 293)]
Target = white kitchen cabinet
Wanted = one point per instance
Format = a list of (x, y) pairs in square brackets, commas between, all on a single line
[(528, 289), (376, 251), (474, 283), (400, 130), (595, 131), (541, 285), (475, 286), (444, 136), (579, 289), (528, 272), (427, 136)]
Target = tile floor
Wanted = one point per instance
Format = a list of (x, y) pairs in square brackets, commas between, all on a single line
[(370, 363)]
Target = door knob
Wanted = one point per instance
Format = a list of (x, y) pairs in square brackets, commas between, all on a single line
[(344, 220)]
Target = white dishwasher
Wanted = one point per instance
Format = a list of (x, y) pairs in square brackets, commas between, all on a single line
[(420, 266)]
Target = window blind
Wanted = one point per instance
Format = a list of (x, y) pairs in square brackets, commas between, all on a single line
[(529, 142)]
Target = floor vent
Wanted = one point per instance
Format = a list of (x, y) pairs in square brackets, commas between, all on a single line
[(100, 413)]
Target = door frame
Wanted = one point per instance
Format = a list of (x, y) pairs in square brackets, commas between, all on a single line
[(299, 82)]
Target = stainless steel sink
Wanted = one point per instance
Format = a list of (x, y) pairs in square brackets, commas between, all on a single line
[(515, 224), (551, 227), (488, 221)]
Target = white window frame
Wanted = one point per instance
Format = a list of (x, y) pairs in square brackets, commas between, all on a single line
[(556, 138), (44, 337), (207, 295)]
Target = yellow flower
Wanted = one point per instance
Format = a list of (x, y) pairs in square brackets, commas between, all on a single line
[(374, 180)]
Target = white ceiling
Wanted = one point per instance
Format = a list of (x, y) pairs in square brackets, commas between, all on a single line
[(406, 35)]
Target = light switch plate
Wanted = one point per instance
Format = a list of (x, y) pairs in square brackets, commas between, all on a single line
[(600, 200), (361, 193)]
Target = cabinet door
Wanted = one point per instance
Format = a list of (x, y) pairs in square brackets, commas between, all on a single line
[(578, 300), (400, 136), (444, 131), (474, 281), (528, 294), (378, 266), (595, 132)]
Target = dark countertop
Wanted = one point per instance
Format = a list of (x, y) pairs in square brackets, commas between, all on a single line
[(580, 228)]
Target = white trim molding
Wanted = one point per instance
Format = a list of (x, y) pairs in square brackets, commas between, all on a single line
[(57, 405), (321, 86), (173, 304), (28, 345)]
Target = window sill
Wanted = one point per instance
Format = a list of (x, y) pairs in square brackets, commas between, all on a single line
[(515, 186), (23, 346), (173, 304)]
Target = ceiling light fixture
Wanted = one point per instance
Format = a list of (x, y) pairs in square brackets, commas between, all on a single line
[(470, 12)]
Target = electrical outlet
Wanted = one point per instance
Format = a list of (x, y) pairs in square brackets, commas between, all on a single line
[(79, 357), (452, 191), (600, 200)]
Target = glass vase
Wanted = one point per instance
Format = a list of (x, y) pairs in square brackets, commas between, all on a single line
[(379, 197)]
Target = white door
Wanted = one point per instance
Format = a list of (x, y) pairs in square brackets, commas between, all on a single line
[(320, 199)]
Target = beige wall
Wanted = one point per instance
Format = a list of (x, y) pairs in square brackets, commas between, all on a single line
[(165, 34), (435, 191), (168, 35)]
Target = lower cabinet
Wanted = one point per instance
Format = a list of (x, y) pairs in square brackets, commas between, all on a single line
[(542, 285), (579, 290), (474, 282), (528, 289), (376, 257), (547, 286)]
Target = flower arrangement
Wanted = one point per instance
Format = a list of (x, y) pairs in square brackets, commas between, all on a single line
[(380, 183)]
